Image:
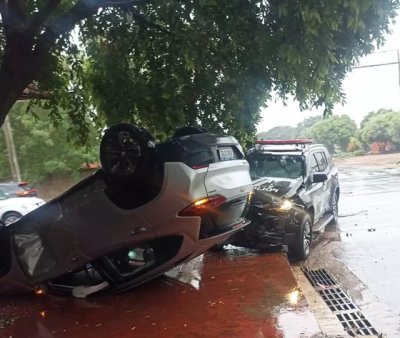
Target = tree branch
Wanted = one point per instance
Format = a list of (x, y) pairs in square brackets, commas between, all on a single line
[(82, 10), (142, 20), (14, 17), (40, 18)]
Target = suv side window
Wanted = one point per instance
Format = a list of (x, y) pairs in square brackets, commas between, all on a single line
[(313, 165), (321, 160), (328, 160), (325, 159)]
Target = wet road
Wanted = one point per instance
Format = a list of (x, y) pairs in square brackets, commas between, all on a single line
[(364, 251), (233, 294)]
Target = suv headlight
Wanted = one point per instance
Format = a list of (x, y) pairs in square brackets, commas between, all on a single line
[(286, 205)]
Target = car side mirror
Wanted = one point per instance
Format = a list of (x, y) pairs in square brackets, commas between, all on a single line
[(319, 178)]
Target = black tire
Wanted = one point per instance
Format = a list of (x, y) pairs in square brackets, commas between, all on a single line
[(127, 153), (335, 209), (301, 247), (11, 217)]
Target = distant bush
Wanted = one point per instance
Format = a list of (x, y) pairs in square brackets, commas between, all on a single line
[(358, 152), (342, 154)]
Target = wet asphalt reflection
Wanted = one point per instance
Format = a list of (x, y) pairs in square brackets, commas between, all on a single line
[(232, 294), (363, 250), (369, 223)]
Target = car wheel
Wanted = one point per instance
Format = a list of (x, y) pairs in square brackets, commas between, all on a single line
[(335, 210), (127, 152), (301, 247), (11, 217)]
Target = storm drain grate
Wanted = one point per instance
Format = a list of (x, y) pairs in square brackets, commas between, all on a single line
[(319, 277), (355, 323), (337, 299), (340, 303)]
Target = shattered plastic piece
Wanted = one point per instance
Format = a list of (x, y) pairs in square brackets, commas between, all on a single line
[(84, 291), (371, 229)]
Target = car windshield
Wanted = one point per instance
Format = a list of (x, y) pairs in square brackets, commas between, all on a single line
[(10, 189), (13, 189), (272, 165)]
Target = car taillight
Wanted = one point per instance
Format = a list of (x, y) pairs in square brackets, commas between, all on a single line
[(203, 206), (22, 193)]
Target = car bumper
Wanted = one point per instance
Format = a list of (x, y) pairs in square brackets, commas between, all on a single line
[(267, 230)]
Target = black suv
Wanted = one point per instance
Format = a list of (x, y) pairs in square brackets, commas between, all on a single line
[(296, 193)]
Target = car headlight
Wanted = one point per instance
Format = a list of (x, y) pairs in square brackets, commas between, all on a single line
[(286, 205)]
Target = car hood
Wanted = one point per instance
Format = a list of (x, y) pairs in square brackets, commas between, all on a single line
[(268, 188), (20, 201)]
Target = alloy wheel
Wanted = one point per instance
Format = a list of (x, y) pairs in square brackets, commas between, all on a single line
[(307, 238)]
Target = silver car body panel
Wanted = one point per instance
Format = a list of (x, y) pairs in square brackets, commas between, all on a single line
[(84, 224)]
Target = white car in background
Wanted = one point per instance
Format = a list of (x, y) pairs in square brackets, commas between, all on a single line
[(13, 208)]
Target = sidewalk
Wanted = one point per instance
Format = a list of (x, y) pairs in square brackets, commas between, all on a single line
[(232, 294)]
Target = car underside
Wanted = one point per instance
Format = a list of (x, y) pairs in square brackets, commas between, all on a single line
[(150, 208)]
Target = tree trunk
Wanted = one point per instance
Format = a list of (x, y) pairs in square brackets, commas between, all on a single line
[(16, 73)]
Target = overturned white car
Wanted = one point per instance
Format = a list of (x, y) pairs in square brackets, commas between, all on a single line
[(151, 207)]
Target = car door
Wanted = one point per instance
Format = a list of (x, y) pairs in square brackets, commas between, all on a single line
[(332, 182), (323, 166), (315, 191)]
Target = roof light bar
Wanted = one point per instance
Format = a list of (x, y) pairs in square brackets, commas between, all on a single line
[(282, 142)]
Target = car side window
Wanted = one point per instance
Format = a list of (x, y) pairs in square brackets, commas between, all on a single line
[(313, 165), (329, 160), (3, 196), (321, 160), (328, 163)]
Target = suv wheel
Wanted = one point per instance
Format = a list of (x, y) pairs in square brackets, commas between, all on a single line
[(126, 152), (335, 209), (301, 247)]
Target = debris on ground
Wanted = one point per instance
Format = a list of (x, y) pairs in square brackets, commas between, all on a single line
[(7, 321), (84, 291)]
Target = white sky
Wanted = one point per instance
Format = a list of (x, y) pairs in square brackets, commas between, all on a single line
[(366, 89)]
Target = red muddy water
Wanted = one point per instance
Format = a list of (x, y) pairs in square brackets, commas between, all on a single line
[(232, 294)]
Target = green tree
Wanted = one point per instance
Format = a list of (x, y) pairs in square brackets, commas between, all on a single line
[(167, 63), (372, 114), (334, 130), (278, 133), (43, 149), (303, 129), (383, 127)]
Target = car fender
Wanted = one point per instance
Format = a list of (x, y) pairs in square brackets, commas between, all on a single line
[(6, 210)]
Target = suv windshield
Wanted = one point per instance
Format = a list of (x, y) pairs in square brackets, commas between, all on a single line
[(275, 165)]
